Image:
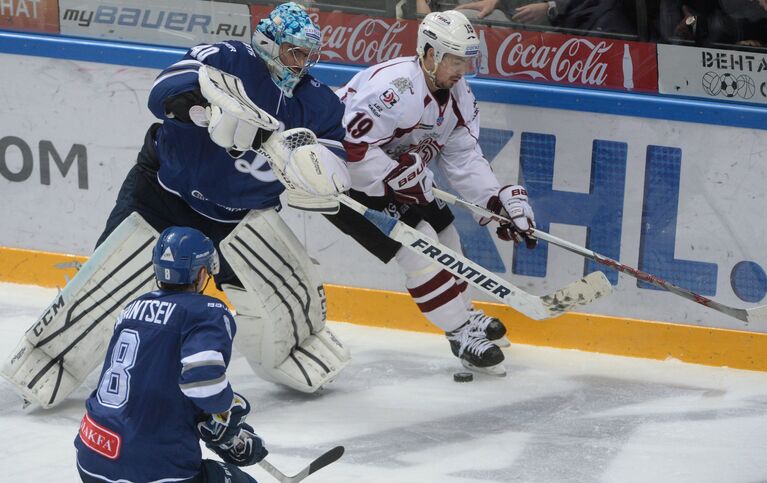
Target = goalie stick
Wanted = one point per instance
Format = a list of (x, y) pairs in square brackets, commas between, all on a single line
[(322, 461), (754, 314)]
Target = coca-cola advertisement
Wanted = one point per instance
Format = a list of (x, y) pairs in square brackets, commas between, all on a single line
[(505, 53), (572, 60)]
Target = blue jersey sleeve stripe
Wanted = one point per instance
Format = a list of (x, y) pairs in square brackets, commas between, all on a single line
[(195, 365), (202, 356), (169, 75), (202, 389), (201, 374), (201, 367), (182, 65), (217, 403)]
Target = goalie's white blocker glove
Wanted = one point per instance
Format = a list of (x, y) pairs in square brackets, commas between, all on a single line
[(511, 202), (235, 122)]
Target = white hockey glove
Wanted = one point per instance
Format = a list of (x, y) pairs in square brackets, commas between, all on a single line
[(410, 181), (511, 201), (234, 122), (317, 171), (311, 173), (221, 428)]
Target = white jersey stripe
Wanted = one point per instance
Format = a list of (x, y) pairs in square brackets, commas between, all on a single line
[(173, 74), (203, 356), (205, 389)]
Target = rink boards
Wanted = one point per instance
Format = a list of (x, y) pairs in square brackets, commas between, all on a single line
[(676, 197)]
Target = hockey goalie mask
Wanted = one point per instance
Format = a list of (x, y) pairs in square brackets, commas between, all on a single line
[(449, 32), (288, 24)]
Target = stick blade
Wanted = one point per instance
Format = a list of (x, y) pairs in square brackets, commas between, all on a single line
[(757, 314), (582, 292), (329, 457)]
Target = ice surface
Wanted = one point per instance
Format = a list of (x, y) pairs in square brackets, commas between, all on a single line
[(558, 416)]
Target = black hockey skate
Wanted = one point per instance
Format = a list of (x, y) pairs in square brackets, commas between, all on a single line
[(475, 351), (493, 328)]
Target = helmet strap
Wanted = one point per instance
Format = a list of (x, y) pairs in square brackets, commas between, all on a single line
[(430, 74)]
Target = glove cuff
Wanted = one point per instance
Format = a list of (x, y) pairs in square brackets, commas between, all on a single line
[(493, 204)]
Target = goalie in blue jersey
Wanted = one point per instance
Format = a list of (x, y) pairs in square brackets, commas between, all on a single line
[(199, 168), (163, 386)]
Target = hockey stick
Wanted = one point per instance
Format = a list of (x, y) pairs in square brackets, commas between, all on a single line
[(755, 314), (280, 146), (581, 292), (322, 461)]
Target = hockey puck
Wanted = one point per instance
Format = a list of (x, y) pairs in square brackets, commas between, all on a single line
[(463, 377)]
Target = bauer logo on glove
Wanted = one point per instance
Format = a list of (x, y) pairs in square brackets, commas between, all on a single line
[(410, 181), (511, 202)]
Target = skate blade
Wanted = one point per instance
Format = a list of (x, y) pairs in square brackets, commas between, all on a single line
[(503, 342), (497, 370)]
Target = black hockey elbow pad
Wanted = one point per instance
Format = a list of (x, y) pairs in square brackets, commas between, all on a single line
[(178, 106)]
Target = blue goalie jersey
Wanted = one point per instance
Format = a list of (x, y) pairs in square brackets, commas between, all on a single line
[(204, 174), (165, 370)]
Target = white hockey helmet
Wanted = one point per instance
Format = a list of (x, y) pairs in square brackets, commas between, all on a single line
[(289, 23), (449, 32)]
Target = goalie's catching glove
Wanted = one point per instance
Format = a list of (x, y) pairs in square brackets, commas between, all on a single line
[(511, 202), (245, 449), (221, 428), (235, 122)]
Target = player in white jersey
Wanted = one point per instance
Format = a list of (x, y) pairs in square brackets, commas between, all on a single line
[(402, 116)]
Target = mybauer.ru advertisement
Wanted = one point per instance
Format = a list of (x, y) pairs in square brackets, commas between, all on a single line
[(182, 23), (653, 194)]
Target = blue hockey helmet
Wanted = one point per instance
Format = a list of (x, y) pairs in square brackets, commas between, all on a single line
[(180, 253), (289, 23)]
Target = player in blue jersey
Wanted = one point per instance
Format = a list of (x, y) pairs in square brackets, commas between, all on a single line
[(163, 386), (197, 168)]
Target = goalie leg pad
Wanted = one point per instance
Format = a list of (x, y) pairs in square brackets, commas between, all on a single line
[(281, 308), (70, 338), (310, 366)]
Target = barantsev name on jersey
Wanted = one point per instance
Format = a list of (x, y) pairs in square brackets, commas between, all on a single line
[(390, 111)]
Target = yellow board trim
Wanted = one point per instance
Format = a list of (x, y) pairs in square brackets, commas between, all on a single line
[(395, 310)]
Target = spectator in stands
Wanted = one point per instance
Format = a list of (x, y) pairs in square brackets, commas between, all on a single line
[(741, 22), (597, 15), (487, 13)]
